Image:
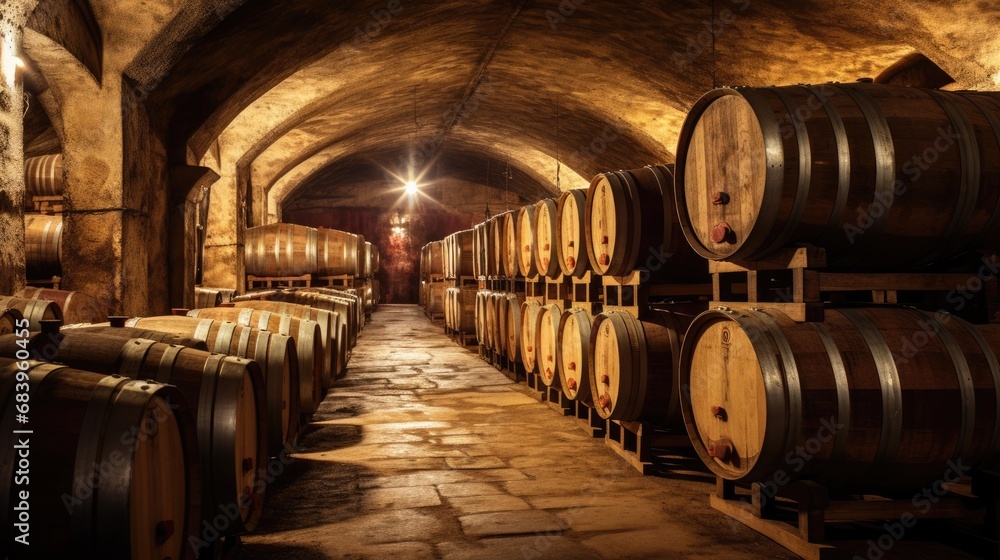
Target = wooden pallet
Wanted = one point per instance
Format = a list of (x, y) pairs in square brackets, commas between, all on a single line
[(629, 294), (634, 442), (799, 514), (464, 339), (536, 389), (559, 402), (534, 289), (342, 281), (558, 290), (587, 293), (258, 282), (47, 204), (793, 282), (589, 420)]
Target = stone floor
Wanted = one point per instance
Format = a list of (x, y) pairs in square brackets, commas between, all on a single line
[(424, 451)]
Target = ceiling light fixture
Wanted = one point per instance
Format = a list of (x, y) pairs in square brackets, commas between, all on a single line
[(411, 188)]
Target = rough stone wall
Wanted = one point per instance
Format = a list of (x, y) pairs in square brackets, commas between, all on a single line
[(13, 15)]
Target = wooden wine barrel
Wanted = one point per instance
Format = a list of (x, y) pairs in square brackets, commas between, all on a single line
[(227, 395), (43, 245), (631, 224), (366, 260), (878, 175), (526, 242), (633, 365), (313, 356), (497, 240), (11, 321), (530, 310), (574, 355), (492, 315), (43, 176), (449, 305), (34, 310), (347, 308), (274, 353), (329, 324), (547, 344), (884, 398), (465, 310), (546, 253), (571, 234), (362, 256), (336, 253), (126, 332), (345, 302), (508, 245), (435, 257), (76, 307), (500, 324), (147, 507), (278, 250), (478, 255), (206, 297), (511, 330), (463, 255), (376, 259), (481, 297)]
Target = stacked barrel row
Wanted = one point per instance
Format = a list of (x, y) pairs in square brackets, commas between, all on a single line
[(283, 251), (202, 407), (884, 179), (615, 362)]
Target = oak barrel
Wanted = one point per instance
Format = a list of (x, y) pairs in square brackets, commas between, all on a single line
[(529, 320), (274, 354), (225, 393), (511, 328), (76, 307), (43, 245), (571, 233), (547, 344), (127, 332), (878, 175), (278, 250), (148, 505), (336, 253), (329, 324), (631, 224), (315, 364), (43, 176), (881, 399), (34, 310), (508, 239), (526, 242), (574, 355), (11, 321), (206, 297), (546, 253), (633, 366)]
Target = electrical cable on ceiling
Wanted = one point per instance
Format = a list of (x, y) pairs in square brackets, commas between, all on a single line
[(27, 104)]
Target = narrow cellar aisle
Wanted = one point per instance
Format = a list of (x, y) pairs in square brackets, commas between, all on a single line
[(424, 451)]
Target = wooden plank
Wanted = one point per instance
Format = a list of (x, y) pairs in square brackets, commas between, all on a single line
[(782, 533), (876, 510), (680, 289), (796, 257), (806, 312), (848, 282)]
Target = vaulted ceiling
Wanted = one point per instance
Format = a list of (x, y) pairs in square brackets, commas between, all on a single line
[(308, 96)]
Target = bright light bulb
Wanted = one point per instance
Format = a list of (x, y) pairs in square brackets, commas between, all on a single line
[(411, 188)]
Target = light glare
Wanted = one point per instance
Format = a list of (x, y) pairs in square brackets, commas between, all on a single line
[(411, 188)]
